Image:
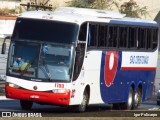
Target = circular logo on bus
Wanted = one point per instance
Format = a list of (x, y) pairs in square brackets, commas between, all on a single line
[(111, 63), (35, 87)]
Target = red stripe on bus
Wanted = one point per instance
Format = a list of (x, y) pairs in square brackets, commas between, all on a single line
[(46, 97), (138, 68)]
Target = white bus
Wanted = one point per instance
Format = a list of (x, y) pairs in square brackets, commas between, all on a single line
[(78, 57)]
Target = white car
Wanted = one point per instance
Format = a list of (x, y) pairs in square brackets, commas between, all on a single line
[(158, 97)]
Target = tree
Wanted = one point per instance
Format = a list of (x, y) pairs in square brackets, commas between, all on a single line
[(38, 5), (76, 3), (40, 2), (131, 9), (95, 4)]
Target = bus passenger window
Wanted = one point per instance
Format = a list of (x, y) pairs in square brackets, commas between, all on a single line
[(149, 38), (123, 37), (102, 33), (141, 38), (112, 38), (132, 41), (155, 38), (93, 31)]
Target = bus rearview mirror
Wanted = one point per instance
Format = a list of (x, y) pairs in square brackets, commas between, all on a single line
[(3, 51), (3, 48)]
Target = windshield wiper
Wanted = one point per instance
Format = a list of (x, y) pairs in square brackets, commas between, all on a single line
[(47, 71)]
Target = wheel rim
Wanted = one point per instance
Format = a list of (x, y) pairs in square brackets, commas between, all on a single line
[(137, 97), (130, 100)]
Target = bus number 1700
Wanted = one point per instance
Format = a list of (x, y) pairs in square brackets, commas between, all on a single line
[(58, 85)]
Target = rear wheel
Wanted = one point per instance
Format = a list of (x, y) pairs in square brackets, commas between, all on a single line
[(129, 104), (26, 105), (84, 103), (137, 97)]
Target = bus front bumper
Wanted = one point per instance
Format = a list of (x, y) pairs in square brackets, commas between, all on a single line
[(38, 96)]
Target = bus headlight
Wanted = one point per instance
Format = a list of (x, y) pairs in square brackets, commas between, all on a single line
[(60, 90), (12, 85)]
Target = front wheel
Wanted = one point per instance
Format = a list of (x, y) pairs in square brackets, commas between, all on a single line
[(84, 103), (26, 105)]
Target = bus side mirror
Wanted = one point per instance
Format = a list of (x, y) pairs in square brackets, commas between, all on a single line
[(3, 48), (4, 45)]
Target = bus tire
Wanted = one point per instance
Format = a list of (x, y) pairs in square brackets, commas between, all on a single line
[(82, 107), (137, 97), (130, 101), (26, 105)]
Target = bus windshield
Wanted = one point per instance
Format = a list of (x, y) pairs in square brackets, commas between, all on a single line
[(40, 61), (45, 30)]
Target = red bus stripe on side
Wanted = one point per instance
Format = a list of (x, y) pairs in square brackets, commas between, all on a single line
[(138, 68)]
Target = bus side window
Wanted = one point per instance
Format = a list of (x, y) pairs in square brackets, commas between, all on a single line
[(149, 38), (102, 36), (112, 37), (155, 38), (83, 32), (80, 51), (141, 38), (132, 40), (93, 34), (122, 37)]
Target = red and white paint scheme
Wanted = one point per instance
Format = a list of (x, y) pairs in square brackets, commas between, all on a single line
[(62, 69)]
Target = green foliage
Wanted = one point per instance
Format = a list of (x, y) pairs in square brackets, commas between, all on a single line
[(77, 3), (131, 9), (37, 5), (40, 2), (94, 4)]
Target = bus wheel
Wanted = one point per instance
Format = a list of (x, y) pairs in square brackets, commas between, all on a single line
[(84, 103), (137, 97), (129, 104), (26, 105)]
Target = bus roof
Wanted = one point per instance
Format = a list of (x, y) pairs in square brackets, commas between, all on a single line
[(81, 15)]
